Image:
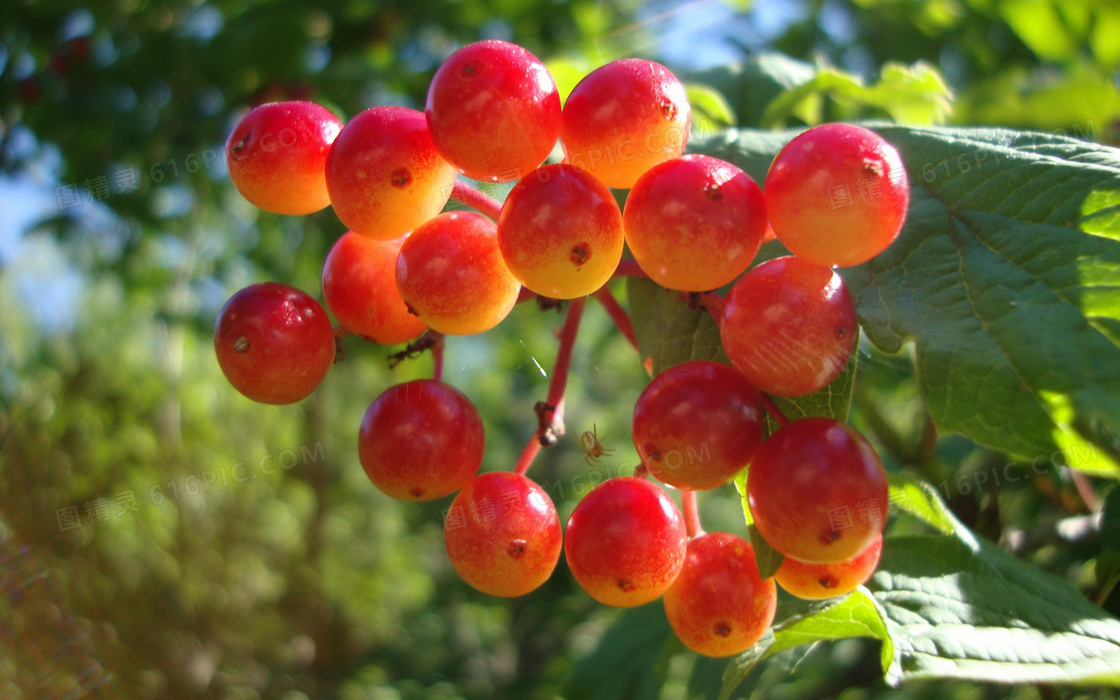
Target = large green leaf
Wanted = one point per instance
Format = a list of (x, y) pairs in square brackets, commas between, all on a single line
[(1005, 280), (624, 665), (856, 615), (974, 612)]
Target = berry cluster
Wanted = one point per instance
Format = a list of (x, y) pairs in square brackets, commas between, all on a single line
[(816, 489)]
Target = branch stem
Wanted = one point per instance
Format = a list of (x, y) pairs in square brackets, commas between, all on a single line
[(617, 313), (477, 200), (773, 410), (691, 514)]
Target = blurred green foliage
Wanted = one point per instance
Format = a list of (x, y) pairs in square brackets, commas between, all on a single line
[(163, 537)]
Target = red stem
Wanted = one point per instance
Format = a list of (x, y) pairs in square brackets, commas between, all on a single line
[(691, 514), (568, 331), (526, 459), (773, 410), (550, 421), (713, 304), (479, 201), (525, 295), (437, 355), (617, 314), (628, 268)]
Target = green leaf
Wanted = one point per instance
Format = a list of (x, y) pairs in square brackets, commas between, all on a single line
[(709, 106), (668, 331), (768, 559), (914, 94), (921, 500), (750, 86), (974, 612), (624, 665), (1014, 308), (856, 615), (1080, 100)]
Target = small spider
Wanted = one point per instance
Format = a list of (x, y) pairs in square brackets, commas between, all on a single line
[(593, 446)]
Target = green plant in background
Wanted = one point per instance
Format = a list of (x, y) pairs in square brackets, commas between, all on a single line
[(301, 579)]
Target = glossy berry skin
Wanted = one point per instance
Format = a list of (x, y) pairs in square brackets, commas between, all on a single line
[(817, 491), (626, 542), (277, 156), (820, 581), (837, 195), (623, 118), (384, 174), (697, 424), (503, 534), (719, 605), (421, 440), (360, 289), (493, 111), (789, 326), (274, 343), (560, 232), (694, 223), (451, 273)]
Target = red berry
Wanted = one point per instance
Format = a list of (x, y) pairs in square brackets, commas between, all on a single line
[(277, 156), (719, 605), (451, 273), (623, 118), (560, 232), (274, 343), (626, 542), (820, 581), (837, 195), (789, 325), (384, 175), (502, 534), (421, 440), (493, 111), (360, 289), (694, 223), (697, 424), (817, 491)]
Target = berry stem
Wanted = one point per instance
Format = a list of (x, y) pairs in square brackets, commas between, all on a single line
[(525, 460), (713, 304), (559, 380), (772, 409), (691, 513), (617, 313), (479, 201), (628, 268), (525, 295), (437, 355)]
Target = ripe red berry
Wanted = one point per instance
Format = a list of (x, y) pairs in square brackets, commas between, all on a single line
[(697, 424), (274, 343), (560, 232), (719, 605), (384, 175), (625, 542), (502, 534), (451, 273), (820, 581), (694, 223), (493, 111), (277, 156), (360, 289), (623, 118), (789, 326), (837, 195), (421, 440), (817, 491)]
